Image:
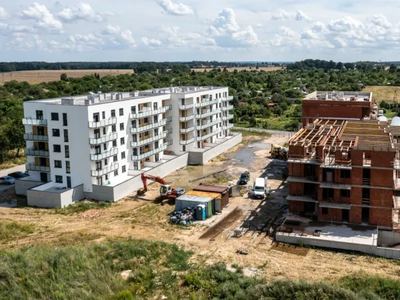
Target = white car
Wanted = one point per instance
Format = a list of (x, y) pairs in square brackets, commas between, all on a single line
[(7, 180)]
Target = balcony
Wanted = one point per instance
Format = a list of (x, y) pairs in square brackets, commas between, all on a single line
[(35, 168), (104, 171), (35, 137), (185, 107), (228, 107), (188, 118), (186, 142), (204, 137), (150, 153), (36, 152), (366, 181), (150, 112), (227, 118), (169, 143), (365, 201), (186, 130), (210, 113), (103, 123), (229, 126), (148, 127), (103, 139), (100, 156), (169, 119), (37, 122), (203, 104), (209, 124), (149, 140)]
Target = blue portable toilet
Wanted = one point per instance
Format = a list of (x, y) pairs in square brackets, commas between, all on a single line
[(201, 212)]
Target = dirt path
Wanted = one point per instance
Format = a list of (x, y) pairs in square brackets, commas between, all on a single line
[(144, 219)]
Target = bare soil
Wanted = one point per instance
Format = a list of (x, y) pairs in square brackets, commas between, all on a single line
[(143, 219), (54, 75)]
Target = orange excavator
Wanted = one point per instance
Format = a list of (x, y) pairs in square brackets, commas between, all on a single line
[(166, 191)]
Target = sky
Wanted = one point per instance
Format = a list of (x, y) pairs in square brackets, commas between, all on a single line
[(186, 30)]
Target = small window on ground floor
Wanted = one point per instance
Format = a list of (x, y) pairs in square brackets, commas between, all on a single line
[(59, 179), (325, 211)]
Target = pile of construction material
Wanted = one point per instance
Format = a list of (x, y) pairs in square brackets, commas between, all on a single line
[(183, 217)]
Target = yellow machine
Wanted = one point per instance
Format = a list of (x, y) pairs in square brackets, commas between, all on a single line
[(278, 152)]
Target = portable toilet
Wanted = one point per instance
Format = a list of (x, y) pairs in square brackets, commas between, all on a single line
[(201, 212), (216, 202)]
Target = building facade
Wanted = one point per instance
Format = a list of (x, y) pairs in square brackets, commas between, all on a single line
[(105, 140), (344, 171)]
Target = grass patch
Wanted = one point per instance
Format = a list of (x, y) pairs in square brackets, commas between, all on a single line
[(390, 113), (81, 207), (383, 93), (252, 133), (14, 230), (12, 160)]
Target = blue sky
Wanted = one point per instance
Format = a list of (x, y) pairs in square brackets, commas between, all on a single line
[(178, 30)]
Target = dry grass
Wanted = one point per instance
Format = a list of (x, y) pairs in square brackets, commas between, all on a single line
[(54, 75), (267, 69), (383, 93), (12, 160)]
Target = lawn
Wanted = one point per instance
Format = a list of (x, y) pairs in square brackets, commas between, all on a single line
[(383, 93)]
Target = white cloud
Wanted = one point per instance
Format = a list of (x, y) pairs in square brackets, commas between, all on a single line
[(111, 30), (301, 16), (259, 25), (154, 43), (7, 30), (281, 15), (227, 33), (2, 13), (118, 38), (82, 12), (44, 19), (177, 9)]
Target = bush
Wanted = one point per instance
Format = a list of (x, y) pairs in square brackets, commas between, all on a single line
[(125, 295)]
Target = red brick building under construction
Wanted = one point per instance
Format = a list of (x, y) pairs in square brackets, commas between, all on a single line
[(343, 171), (337, 105)]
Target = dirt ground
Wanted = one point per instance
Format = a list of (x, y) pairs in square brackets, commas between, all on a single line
[(54, 75), (253, 219)]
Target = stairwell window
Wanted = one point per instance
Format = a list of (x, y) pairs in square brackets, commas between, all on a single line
[(123, 169), (56, 132), (54, 116)]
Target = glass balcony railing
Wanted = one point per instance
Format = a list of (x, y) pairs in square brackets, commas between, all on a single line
[(35, 168), (103, 155), (185, 107), (204, 137), (35, 137), (209, 124), (148, 127), (150, 112), (149, 153), (149, 140), (32, 121), (228, 107), (186, 130), (187, 118), (103, 123), (186, 142), (103, 139), (105, 170), (36, 152), (205, 103)]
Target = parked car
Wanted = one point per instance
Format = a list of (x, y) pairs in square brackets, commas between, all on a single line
[(18, 174), (244, 178), (7, 180), (180, 191)]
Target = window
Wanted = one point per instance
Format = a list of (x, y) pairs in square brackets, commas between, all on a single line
[(123, 155), (104, 131), (123, 169), (96, 117), (146, 120), (133, 110), (57, 164), (121, 111), (67, 167), (345, 173), (39, 114), (113, 113), (122, 141), (345, 193), (325, 211), (54, 116), (116, 173), (103, 115), (59, 179), (105, 147), (106, 162), (121, 126), (114, 143), (115, 158), (56, 132), (66, 138), (98, 165), (106, 176), (66, 149), (65, 119), (114, 128), (57, 148)]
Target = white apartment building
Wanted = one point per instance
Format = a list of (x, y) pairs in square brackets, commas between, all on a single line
[(96, 146)]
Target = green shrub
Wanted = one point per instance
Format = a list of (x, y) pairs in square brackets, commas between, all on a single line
[(125, 295), (14, 230)]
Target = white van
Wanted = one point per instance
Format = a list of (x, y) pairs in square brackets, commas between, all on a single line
[(259, 188)]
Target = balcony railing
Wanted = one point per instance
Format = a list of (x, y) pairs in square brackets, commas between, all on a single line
[(150, 112), (186, 130), (169, 119), (104, 171), (103, 139), (35, 168), (204, 137), (149, 140), (185, 107), (36, 152), (202, 104), (103, 123), (100, 156), (366, 181), (229, 126), (210, 113), (35, 137), (188, 118), (31, 121), (186, 142), (148, 127), (228, 107), (209, 124), (169, 131), (365, 201), (169, 143), (150, 153)]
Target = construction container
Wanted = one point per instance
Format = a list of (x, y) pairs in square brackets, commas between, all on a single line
[(201, 212), (186, 200), (217, 205), (222, 190)]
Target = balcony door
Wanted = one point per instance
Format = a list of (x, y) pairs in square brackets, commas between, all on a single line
[(43, 177)]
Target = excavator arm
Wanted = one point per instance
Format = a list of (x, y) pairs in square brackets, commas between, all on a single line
[(146, 177)]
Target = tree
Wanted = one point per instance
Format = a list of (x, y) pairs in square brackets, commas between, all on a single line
[(64, 77)]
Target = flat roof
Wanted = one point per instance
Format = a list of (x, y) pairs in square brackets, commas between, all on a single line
[(339, 96), (99, 97), (211, 188)]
